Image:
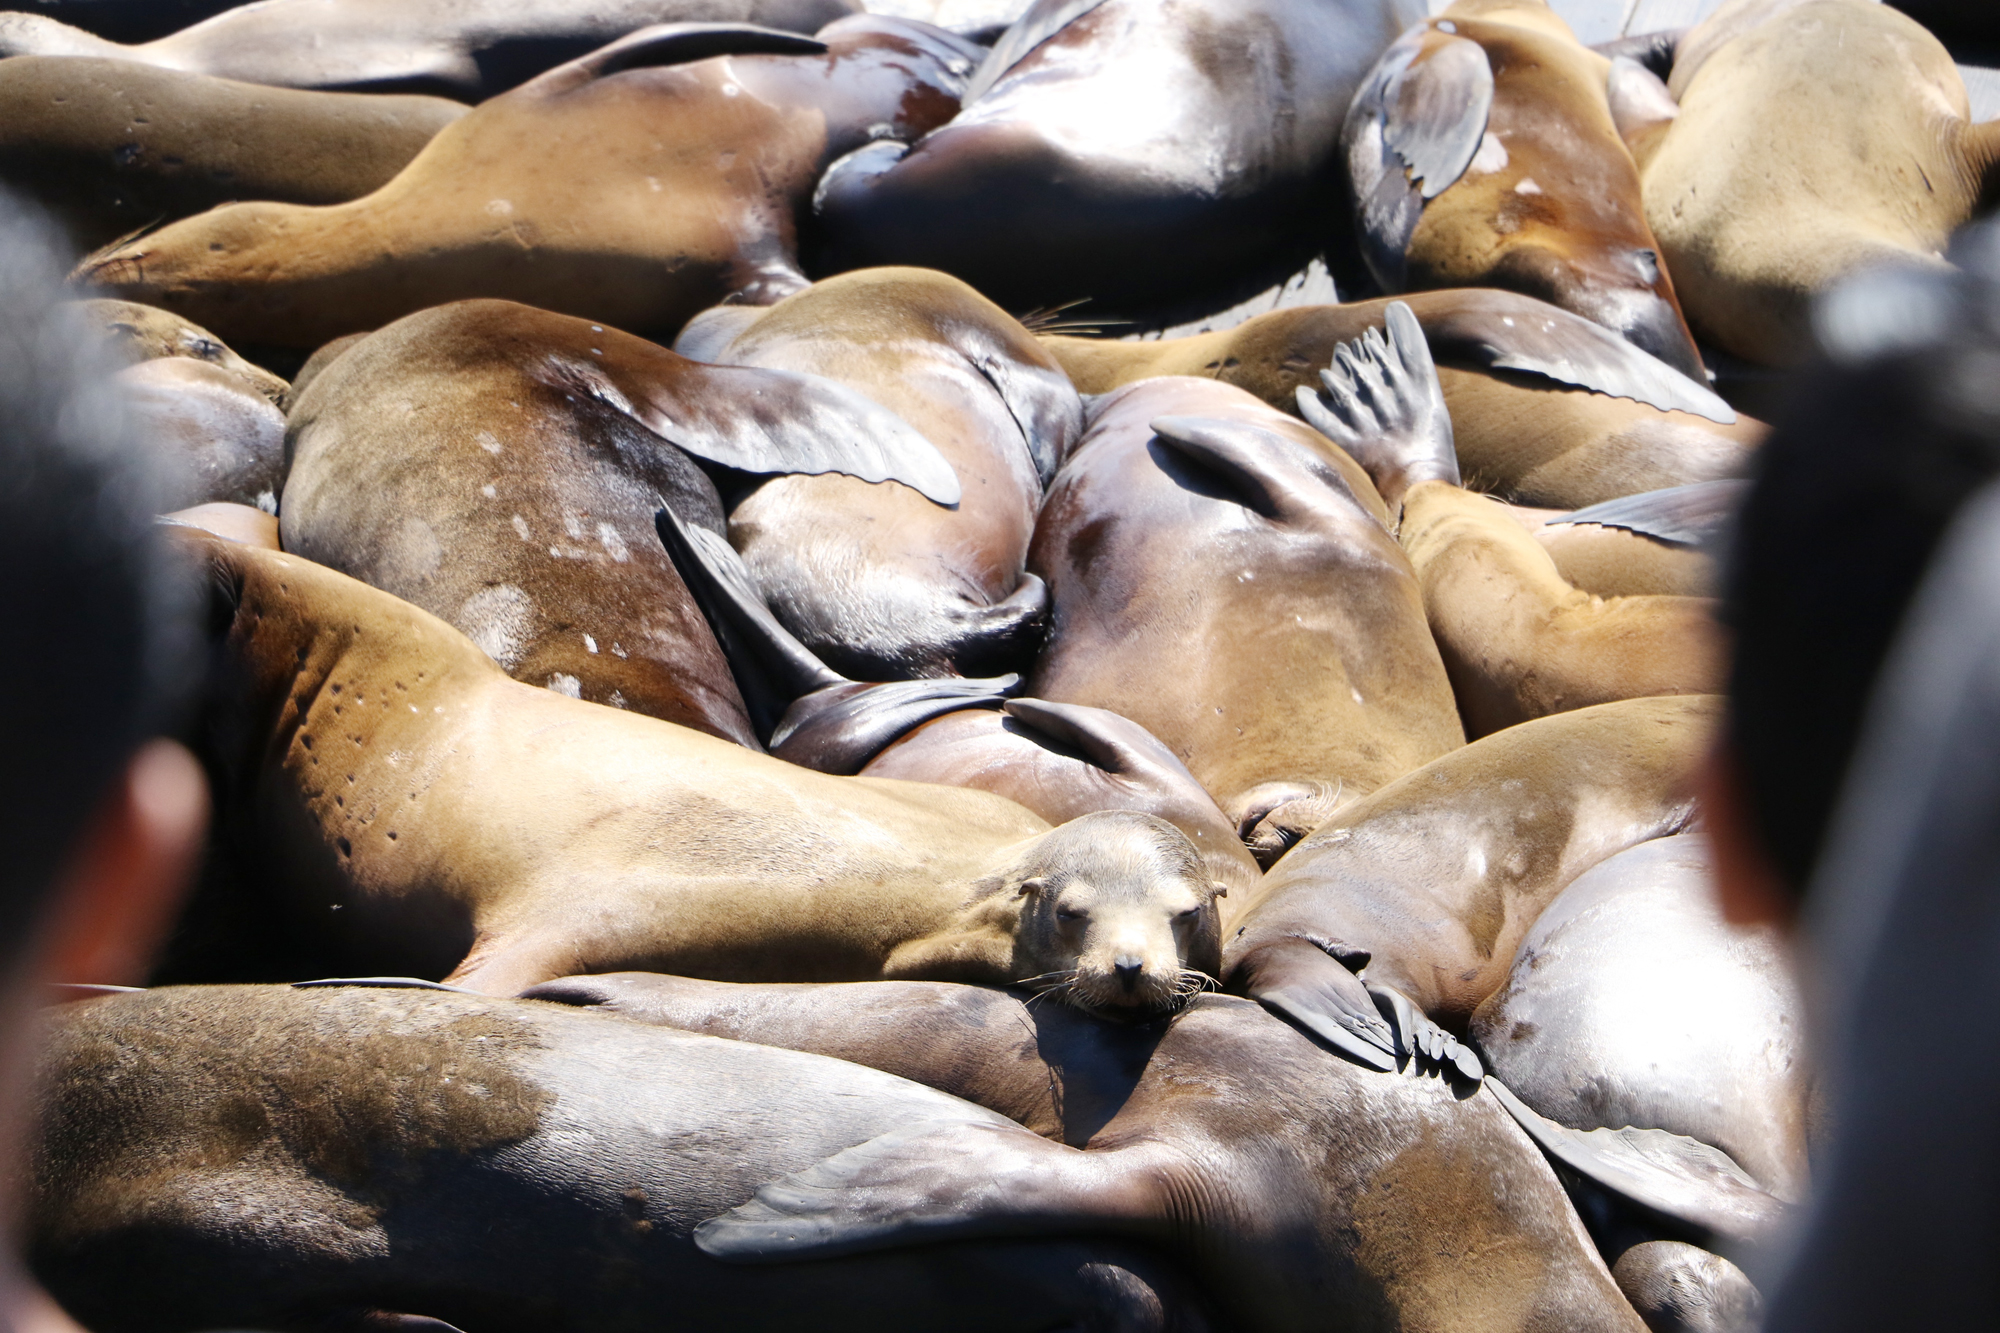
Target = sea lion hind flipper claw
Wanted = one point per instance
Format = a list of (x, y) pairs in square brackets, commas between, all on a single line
[(938, 1181)]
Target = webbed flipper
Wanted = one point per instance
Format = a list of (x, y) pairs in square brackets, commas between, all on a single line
[(1691, 515)]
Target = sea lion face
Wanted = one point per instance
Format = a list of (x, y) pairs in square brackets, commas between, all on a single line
[(1118, 917)]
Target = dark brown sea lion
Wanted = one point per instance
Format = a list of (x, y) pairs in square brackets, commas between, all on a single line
[(439, 817), (1632, 1002), (1140, 154), (1225, 577), (1518, 641), (500, 467), (879, 581), (1853, 162), (142, 333), (1431, 882), (223, 438), (468, 49), (260, 1156), (111, 146), (1548, 408), (634, 187), (1484, 154), (1304, 1192)]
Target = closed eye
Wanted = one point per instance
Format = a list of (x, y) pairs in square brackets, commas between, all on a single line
[(1068, 914)]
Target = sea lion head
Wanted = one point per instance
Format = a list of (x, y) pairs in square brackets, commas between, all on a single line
[(1118, 916)]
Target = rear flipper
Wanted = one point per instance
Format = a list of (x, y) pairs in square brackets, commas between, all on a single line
[(936, 1183), (1674, 1177), (1691, 515), (1383, 404)]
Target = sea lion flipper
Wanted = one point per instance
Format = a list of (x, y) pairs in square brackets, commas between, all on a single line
[(1042, 21), (840, 730), (1267, 472), (933, 1182), (683, 43), (1507, 331), (1671, 1174), (1434, 110), (771, 667), (1382, 402), (777, 421), (1418, 1034), (1690, 515), (1300, 980), (1113, 742)]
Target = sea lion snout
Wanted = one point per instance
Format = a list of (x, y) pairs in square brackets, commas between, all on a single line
[(1119, 918)]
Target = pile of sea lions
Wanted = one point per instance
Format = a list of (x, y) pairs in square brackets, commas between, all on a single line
[(839, 690)]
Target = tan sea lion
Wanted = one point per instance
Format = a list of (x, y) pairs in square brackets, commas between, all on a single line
[(440, 817), (1431, 882), (1225, 577), (1518, 641), (1483, 152), (593, 190), (137, 333), (224, 439), (355, 1158), (467, 49), (1548, 408), (1854, 161), (500, 467), (232, 522), (1304, 1192), (879, 581), (111, 146)]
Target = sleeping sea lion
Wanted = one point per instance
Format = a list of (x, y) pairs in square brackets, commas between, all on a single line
[(136, 333), (882, 582), (1632, 1002), (466, 49), (1431, 882), (111, 147), (440, 817), (1225, 577), (633, 187), (1518, 641), (223, 439), (1302, 1191), (1853, 162), (1143, 155), (354, 1158), (1547, 408), (1483, 153), (500, 466)]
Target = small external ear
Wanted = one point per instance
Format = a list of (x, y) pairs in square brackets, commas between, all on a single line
[(1031, 886), (1221, 891)]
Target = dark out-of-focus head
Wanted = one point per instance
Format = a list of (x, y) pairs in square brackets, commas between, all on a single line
[(1885, 439), (93, 641)]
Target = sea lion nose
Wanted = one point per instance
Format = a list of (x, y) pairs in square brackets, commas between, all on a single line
[(1128, 967)]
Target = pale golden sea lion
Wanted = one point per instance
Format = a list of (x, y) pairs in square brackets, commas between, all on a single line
[(1484, 153), (142, 333), (439, 817), (1813, 138), (635, 187)]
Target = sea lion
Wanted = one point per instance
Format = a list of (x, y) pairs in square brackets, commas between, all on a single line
[(1287, 663), (1302, 1191), (593, 190), (1483, 153), (879, 581), (224, 439), (1548, 408), (500, 466), (1431, 882), (1141, 155), (260, 1156), (442, 818), (232, 522), (129, 20), (1518, 641), (1853, 162), (136, 333), (1680, 1288), (111, 147), (465, 49), (1632, 1002)]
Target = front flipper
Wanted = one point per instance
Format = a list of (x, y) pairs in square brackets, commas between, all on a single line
[(1312, 984), (1690, 515), (933, 1183), (1266, 472), (1677, 1177), (1042, 21), (1382, 403), (771, 667), (841, 728), (1416, 1034)]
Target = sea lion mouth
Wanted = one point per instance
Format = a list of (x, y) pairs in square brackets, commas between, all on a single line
[(1101, 998)]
